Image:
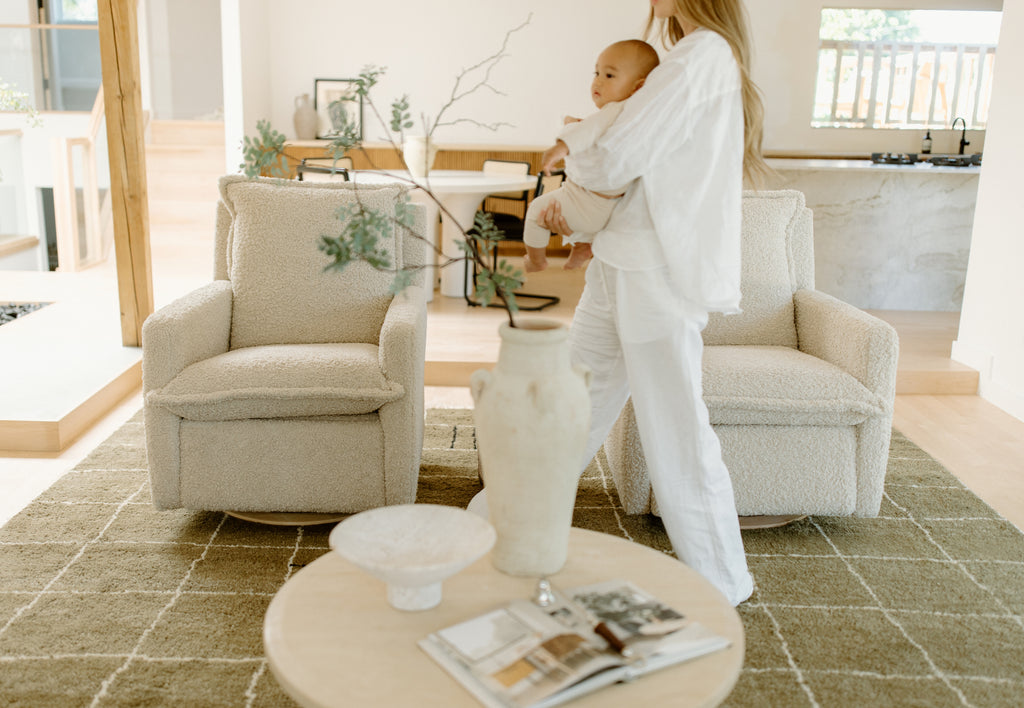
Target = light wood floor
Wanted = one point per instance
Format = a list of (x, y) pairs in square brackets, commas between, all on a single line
[(977, 441)]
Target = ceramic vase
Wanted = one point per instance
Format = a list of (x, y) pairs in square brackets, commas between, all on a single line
[(532, 416), (418, 152), (305, 118)]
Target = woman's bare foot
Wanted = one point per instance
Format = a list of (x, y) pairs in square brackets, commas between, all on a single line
[(579, 254)]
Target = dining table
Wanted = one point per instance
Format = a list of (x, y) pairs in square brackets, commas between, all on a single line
[(458, 195)]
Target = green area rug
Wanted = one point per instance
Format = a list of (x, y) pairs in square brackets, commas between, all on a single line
[(106, 602)]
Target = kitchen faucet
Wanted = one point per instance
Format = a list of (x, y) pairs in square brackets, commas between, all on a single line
[(963, 135)]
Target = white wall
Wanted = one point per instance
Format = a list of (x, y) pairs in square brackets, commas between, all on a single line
[(183, 40), (546, 75), (991, 337)]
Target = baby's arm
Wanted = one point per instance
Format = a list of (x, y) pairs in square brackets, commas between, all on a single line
[(584, 133), (552, 156)]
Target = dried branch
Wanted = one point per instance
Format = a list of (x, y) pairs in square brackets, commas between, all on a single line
[(489, 63), (362, 228), (489, 126)]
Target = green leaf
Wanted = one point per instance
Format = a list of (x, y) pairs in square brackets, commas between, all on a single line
[(403, 279)]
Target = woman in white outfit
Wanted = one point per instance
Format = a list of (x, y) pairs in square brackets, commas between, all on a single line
[(669, 255)]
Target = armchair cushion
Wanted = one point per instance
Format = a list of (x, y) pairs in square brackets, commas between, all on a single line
[(777, 259), (281, 292), (764, 385), (280, 381)]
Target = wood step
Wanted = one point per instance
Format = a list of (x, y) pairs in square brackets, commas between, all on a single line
[(175, 214), (186, 132), (171, 186), (189, 159)]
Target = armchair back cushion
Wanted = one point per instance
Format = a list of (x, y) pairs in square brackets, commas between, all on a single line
[(778, 259), (281, 292)]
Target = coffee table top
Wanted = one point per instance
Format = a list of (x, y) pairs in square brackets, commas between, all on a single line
[(332, 639)]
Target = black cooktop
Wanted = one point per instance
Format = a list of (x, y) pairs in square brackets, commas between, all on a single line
[(911, 158)]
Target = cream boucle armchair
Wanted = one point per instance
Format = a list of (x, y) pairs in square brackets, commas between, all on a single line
[(799, 386), (282, 387)]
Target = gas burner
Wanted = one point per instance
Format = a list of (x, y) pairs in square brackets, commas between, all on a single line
[(894, 158), (956, 160)]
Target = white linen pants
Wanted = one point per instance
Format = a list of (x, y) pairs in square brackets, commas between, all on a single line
[(661, 369)]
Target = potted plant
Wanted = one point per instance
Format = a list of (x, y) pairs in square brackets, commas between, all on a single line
[(532, 413)]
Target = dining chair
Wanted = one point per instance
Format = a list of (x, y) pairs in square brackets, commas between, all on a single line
[(510, 218), (320, 169), (507, 203)]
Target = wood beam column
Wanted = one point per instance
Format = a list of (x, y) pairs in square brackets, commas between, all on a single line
[(119, 52)]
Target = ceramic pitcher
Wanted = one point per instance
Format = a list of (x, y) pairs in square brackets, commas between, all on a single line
[(532, 418), (305, 118)]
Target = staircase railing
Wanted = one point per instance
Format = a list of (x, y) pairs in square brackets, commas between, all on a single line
[(82, 240)]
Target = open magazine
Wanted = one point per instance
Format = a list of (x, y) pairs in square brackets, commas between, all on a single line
[(525, 655)]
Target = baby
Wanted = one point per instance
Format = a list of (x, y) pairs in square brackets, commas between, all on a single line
[(621, 70)]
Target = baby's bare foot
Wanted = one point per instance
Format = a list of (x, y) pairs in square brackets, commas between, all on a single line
[(533, 265), (578, 256)]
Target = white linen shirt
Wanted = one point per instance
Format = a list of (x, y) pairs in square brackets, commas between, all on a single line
[(585, 132), (676, 149)]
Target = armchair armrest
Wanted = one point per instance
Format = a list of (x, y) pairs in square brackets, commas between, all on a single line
[(402, 350), (860, 344), (194, 327), (403, 336)]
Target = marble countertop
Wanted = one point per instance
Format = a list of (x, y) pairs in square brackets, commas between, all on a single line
[(828, 165)]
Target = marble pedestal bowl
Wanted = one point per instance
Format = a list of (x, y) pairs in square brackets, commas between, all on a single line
[(413, 548)]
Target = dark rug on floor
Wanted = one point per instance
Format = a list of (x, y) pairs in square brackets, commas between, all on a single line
[(104, 601)]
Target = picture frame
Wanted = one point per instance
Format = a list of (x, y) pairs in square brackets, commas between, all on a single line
[(337, 104)]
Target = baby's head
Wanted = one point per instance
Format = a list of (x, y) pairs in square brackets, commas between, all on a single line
[(621, 70)]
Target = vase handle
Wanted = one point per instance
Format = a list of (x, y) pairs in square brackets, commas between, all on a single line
[(477, 382)]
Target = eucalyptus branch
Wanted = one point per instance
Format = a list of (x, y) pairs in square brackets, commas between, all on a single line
[(264, 153), (363, 227)]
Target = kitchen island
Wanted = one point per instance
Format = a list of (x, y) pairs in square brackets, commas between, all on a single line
[(887, 237)]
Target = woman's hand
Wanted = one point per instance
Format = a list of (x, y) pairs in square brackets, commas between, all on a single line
[(551, 219), (552, 156)]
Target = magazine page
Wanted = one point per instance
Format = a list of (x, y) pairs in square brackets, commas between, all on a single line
[(524, 655), (521, 655), (646, 626)]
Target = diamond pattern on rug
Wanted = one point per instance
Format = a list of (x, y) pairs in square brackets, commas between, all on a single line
[(104, 601)]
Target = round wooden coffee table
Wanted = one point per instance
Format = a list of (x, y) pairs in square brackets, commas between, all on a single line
[(332, 639)]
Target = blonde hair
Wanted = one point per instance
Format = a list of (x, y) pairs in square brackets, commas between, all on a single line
[(727, 18)]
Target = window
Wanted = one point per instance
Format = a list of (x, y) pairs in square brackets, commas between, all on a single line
[(71, 11), (904, 68), (70, 56)]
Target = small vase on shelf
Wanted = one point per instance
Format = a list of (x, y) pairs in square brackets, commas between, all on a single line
[(419, 152), (305, 118), (532, 417)]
